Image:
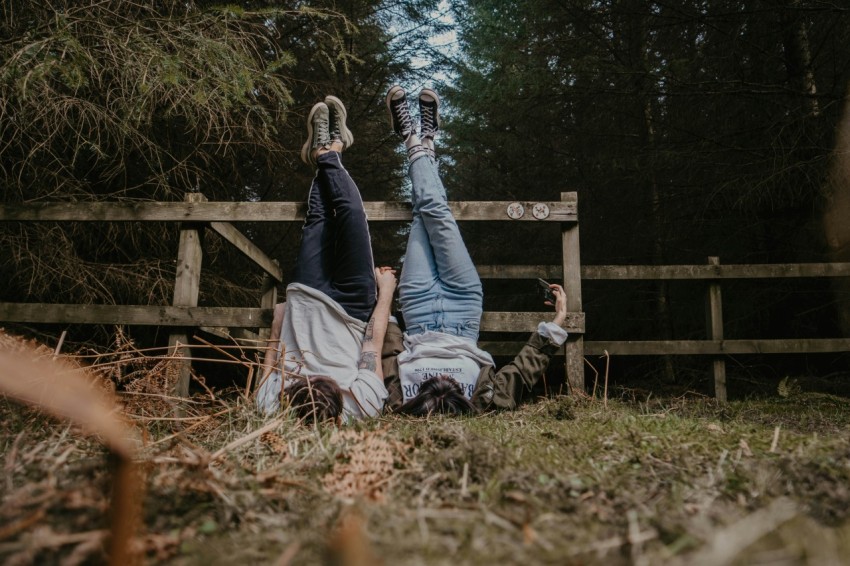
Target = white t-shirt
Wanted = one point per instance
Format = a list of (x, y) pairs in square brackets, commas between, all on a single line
[(431, 353), (319, 338)]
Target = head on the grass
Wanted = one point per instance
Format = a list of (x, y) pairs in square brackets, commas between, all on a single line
[(440, 394), (316, 399)]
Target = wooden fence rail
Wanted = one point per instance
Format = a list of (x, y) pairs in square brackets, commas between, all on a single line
[(712, 273), (199, 210), (671, 272), (196, 213)]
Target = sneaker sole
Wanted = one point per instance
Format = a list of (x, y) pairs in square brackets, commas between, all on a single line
[(339, 109), (307, 148), (392, 91)]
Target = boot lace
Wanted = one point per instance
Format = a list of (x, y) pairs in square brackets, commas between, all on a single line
[(429, 121), (401, 113), (323, 137)]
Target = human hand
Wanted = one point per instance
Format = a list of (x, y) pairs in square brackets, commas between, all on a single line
[(560, 304), (386, 279)]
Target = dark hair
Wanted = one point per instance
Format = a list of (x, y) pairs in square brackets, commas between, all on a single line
[(315, 399), (440, 394)]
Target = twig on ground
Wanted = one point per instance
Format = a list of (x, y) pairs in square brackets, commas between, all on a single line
[(11, 459), (217, 348), (247, 438), (59, 344), (636, 538), (775, 439), (595, 378), (464, 491), (23, 524), (46, 538), (607, 365), (192, 427), (728, 543), (248, 381), (288, 555)]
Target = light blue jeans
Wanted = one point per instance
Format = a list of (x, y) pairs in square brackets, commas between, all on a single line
[(439, 287)]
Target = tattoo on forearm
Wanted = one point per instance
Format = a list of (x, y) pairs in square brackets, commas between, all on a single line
[(370, 330), (368, 360)]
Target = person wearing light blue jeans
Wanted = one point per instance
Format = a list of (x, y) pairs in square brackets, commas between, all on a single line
[(440, 292), (439, 289)]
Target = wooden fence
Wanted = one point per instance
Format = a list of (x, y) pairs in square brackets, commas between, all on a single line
[(196, 214), (712, 273)]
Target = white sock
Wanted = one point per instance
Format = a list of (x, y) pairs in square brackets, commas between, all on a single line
[(414, 146), (428, 143)]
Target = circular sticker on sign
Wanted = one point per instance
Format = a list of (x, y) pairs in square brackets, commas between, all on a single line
[(540, 211), (516, 210)]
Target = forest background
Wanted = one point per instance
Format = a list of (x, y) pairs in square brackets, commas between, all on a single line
[(688, 128)]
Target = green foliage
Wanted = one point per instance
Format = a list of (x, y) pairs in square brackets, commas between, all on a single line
[(166, 99), (150, 100)]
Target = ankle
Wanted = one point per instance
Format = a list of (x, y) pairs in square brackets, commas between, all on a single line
[(336, 146), (412, 141), (428, 144), (415, 152)]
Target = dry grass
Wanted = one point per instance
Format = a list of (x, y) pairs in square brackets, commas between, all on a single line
[(560, 481)]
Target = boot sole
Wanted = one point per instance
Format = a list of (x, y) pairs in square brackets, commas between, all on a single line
[(307, 148)]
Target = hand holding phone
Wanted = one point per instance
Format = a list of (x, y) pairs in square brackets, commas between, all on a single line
[(546, 291), (559, 300)]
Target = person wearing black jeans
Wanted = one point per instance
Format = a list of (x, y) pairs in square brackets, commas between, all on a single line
[(328, 334)]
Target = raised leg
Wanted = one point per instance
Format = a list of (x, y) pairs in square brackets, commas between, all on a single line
[(438, 273), (335, 256)]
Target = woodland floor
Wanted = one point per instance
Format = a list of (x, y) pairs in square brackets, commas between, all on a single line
[(560, 481)]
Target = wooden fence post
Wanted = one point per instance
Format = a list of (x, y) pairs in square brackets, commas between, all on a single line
[(574, 348), (714, 329), (268, 300), (187, 284)]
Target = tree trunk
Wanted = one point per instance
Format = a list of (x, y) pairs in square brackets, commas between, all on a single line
[(836, 219), (647, 136), (798, 56)]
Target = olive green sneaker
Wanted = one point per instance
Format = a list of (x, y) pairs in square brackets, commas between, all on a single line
[(318, 132), (338, 130)]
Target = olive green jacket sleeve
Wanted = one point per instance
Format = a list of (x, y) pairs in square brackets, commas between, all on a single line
[(393, 346), (502, 390), (505, 389)]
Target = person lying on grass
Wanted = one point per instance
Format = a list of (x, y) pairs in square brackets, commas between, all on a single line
[(436, 366), (329, 332)]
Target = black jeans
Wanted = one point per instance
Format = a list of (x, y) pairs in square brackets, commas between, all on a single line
[(335, 256)]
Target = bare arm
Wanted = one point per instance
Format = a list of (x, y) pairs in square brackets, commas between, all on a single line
[(376, 329), (560, 304), (272, 356)]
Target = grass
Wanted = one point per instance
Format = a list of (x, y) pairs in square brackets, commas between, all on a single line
[(563, 480), (559, 481)]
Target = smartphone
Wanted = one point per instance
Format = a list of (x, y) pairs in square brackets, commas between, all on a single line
[(545, 291)]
